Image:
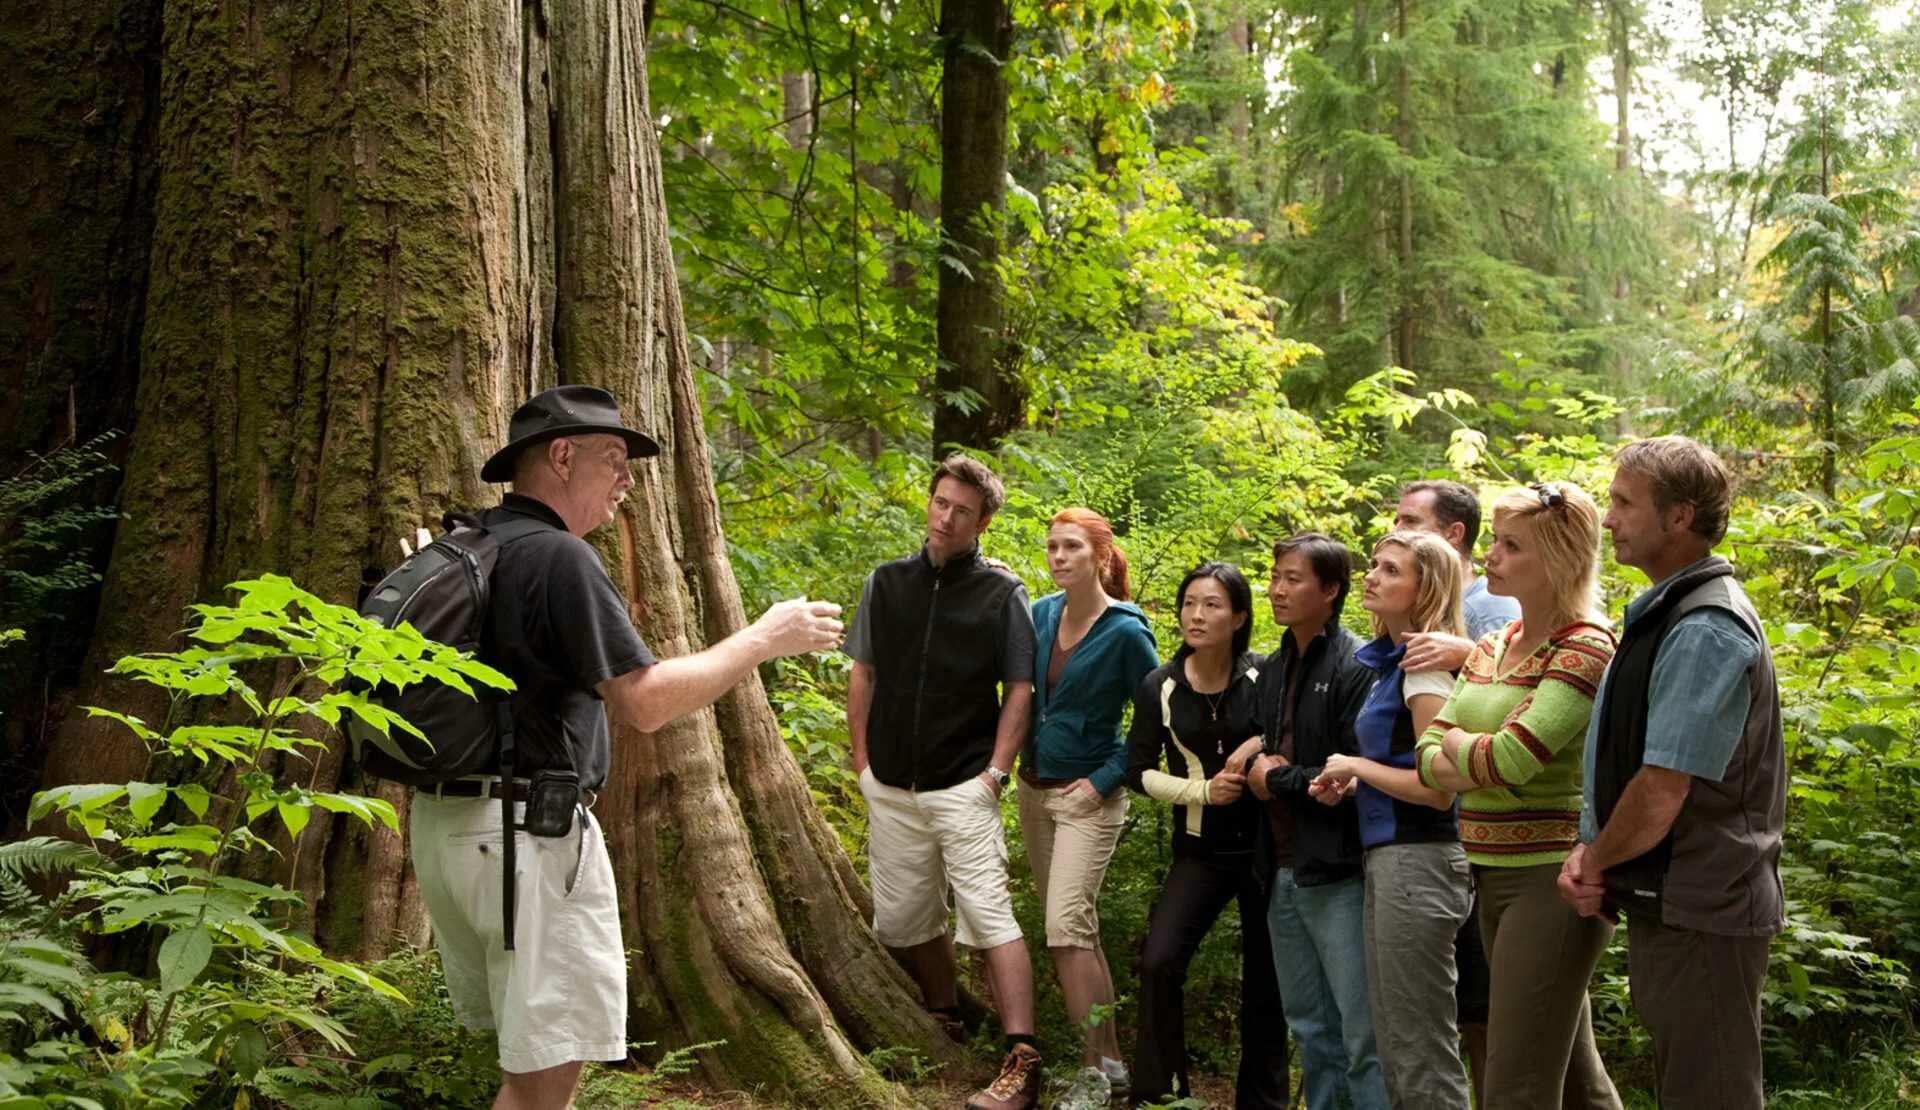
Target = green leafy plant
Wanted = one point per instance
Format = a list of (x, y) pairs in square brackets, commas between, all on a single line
[(283, 665)]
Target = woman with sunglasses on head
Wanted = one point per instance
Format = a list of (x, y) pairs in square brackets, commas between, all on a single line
[(1510, 742), (1091, 650), (1418, 889), (1194, 715)]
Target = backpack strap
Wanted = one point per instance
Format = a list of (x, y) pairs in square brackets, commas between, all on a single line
[(515, 526), (503, 733)]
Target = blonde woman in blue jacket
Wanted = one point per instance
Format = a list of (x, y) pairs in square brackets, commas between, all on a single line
[(1092, 648)]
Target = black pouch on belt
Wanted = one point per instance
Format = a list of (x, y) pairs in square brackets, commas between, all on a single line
[(552, 798)]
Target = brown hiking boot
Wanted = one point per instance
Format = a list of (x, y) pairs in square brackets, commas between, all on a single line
[(1018, 1085)]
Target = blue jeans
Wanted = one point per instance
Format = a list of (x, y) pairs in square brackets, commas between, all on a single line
[(1319, 955)]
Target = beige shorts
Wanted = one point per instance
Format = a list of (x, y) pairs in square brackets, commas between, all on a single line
[(1069, 843), (923, 844), (561, 994)]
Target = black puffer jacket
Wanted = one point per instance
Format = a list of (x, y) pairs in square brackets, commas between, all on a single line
[(1172, 720), (1333, 686)]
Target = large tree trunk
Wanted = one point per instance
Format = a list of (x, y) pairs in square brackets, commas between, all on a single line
[(75, 211), (76, 205), (978, 39), (376, 230)]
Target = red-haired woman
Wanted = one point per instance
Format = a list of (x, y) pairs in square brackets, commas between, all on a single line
[(1092, 648)]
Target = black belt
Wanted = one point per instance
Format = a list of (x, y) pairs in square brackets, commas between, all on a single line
[(492, 788), (479, 788)]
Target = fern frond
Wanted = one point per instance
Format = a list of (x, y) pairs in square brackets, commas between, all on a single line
[(45, 855)]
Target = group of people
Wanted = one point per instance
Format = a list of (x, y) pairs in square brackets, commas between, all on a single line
[(1429, 834)]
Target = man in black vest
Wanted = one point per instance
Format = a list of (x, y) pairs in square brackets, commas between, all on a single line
[(937, 638), (1686, 782)]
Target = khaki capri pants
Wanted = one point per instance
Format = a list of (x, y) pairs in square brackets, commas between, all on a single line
[(1070, 841)]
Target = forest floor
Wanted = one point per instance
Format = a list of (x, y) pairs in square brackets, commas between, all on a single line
[(617, 1090)]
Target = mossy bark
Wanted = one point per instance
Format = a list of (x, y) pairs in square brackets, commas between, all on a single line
[(376, 228), (76, 200), (976, 45)]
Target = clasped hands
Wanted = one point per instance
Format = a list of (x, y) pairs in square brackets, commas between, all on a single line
[(1582, 885), (1336, 782), (1245, 770)]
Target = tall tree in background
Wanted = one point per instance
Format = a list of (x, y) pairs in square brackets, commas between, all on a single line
[(1451, 198), (978, 400), (374, 230)]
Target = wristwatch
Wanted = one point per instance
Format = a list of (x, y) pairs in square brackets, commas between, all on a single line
[(999, 777)]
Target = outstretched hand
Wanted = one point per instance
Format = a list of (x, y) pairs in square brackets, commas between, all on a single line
[(797, 626)]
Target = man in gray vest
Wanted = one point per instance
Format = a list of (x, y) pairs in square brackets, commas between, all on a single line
[(1686, 787)]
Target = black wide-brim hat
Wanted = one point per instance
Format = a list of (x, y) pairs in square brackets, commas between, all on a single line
[(566, 410)]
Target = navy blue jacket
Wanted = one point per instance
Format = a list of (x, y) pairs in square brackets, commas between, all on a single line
[(1384, 732)]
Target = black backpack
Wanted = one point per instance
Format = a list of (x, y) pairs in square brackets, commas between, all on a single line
[(443, 590)]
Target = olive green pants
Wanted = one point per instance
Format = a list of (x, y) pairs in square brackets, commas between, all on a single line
[(1540, 1051)]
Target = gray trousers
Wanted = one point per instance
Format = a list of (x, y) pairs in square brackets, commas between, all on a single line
[(1417, 897), (1698, 994)]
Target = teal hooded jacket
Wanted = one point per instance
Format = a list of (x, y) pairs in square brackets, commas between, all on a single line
[(1076, 725)]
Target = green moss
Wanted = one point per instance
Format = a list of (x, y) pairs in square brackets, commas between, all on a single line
[(711, 1005)]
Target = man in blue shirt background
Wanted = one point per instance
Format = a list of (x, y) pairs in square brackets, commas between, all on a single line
[(1451, 511)]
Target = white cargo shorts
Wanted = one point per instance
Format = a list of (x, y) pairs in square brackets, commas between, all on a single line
[(921, 844), (561, 994)]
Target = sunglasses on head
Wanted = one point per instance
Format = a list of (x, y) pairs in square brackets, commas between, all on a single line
[(1550, 498)]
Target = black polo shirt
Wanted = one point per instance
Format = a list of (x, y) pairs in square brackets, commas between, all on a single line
[(558, 628)]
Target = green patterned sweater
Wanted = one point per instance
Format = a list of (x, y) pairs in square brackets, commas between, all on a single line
[(1529, 730)]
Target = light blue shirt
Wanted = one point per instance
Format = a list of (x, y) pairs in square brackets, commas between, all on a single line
[(1486, 612), (1697, 708)]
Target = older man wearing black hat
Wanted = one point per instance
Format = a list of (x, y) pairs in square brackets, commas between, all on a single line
[(560, 630)]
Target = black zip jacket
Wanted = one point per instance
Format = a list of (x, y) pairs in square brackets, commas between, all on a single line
[(937, 641), (1173, 721), (1333, 686)]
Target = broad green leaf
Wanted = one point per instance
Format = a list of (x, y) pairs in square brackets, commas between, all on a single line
[(183, 956), (201, 840), (295, 817), (195, 797), (144, 799)]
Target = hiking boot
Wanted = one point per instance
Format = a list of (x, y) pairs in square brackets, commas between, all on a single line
[(1091, 1090), (1018, 1085)]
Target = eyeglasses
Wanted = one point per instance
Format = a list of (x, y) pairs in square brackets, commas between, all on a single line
[(1550, 498)]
